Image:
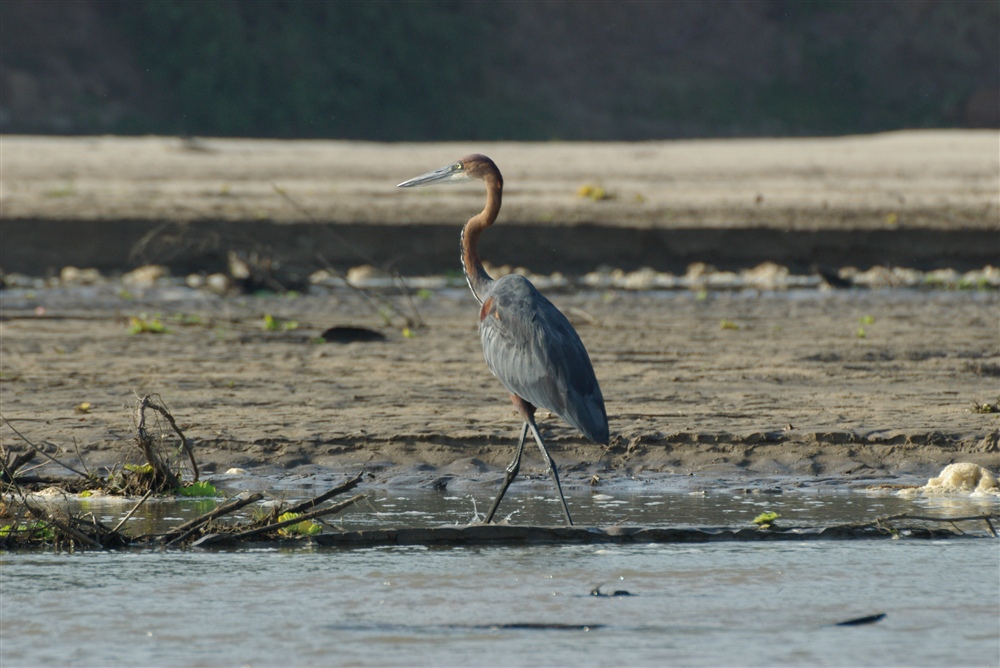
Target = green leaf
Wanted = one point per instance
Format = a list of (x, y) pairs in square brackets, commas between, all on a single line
[(35, 531), (198, 489), (304, 528)]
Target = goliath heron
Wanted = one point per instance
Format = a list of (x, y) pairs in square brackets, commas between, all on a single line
[(528, 343)]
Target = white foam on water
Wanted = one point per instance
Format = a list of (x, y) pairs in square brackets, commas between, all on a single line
[(961, 478)]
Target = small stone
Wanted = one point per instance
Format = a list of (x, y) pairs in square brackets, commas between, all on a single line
[(146, 276), (77, 276), (767, 276), (364, 273), (875, 277), (943, 277), (641, 279), (697, 270), (218, 283)]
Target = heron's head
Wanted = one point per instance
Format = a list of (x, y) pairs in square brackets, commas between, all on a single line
[(473, 166)]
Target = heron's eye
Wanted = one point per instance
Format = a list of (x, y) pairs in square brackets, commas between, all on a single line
[(457, 167)]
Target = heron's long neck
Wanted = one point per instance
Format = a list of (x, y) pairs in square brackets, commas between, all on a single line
[(479, 281)]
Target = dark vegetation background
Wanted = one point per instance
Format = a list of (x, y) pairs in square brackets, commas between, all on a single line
[(482, 70)]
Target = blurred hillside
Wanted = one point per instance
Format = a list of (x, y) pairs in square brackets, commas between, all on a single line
[(497, 70)]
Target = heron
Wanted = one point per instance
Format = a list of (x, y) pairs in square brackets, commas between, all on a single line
[(528, 343)]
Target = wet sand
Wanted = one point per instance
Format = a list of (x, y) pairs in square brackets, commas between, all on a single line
[(794, 391), (788, 388)]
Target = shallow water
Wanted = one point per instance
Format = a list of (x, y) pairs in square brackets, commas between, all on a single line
[(533, 501), (712, 604)]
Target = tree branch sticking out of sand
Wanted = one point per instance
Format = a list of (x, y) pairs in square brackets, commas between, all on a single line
[(162, 473)]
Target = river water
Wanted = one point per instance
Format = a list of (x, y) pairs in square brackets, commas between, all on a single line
[(712, 604)]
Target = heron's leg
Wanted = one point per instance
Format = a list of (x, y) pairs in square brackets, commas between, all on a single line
[(552, 466), (512, 470)]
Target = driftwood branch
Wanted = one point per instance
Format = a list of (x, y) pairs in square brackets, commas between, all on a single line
[(322, 512), (179, 533), (43, 516), (129, 514), (146, 442), (339, 489), (62, 526), (949, 520)]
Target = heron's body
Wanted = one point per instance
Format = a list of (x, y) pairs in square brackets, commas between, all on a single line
[(538, 356), (528, 343)]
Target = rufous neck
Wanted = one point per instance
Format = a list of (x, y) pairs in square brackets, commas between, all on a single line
[(479, 281)]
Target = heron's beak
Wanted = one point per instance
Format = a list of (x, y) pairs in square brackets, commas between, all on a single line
[(453, 172)]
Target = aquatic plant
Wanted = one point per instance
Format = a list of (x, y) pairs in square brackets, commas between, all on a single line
[(142, 324), (766, 520), (198, 489)]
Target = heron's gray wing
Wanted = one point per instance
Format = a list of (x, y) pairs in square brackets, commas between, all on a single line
[(537, 355)]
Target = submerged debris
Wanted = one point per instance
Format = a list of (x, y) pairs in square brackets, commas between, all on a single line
[(493, 534), (27, 524), (30, 519), (863, 621), (596, 591)]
